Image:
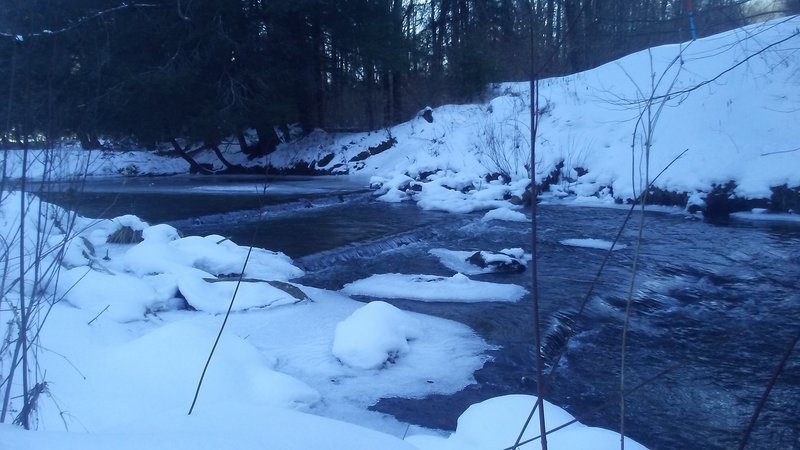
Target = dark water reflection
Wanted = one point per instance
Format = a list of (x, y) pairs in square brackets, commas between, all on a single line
[(718, 304)]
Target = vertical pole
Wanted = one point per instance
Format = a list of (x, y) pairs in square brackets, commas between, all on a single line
[(691, 20), (534, 103)]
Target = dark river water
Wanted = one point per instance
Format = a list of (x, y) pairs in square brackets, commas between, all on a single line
[(715, 305)]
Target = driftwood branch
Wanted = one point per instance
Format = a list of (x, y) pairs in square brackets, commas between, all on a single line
[(290, 289)]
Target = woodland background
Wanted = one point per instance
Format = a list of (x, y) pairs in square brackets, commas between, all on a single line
[(151, 72)]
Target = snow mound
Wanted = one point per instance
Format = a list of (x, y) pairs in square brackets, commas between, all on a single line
[(157, 373), (132, 297), (591, 243), (220, 256), (374, 335), (164, 251), (505, 213), (160, 233), (495, 423), (227, 426), (392, 190), (447, 194), (431, 288)]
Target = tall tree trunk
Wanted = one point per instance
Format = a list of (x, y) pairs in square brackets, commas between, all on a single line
[(268, 139), (548, 27), (388, 90), (436, 42), (575, 37), (319, 67), (370, 75)]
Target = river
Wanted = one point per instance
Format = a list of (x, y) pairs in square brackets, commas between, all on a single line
[(715, 305)]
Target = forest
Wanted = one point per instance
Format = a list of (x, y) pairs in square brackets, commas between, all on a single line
[(149, 72)]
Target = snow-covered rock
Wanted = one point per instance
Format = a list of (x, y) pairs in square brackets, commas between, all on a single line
[(374, 335), (496, 423)]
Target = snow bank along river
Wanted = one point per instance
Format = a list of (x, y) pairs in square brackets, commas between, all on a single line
[(717, 302)]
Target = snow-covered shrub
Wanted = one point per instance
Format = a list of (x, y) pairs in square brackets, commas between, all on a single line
[(503, 141)]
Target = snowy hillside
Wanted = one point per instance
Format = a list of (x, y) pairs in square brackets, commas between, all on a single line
[(729, 101)]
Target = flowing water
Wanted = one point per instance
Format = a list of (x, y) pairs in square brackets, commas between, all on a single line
[(714, 308)]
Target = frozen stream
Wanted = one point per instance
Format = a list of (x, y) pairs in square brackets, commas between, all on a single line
[(720, 302)]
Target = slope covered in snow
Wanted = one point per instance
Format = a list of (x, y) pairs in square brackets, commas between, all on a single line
[(728, 101)]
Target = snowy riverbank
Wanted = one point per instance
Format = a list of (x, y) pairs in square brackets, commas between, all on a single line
[(726, 100), (123, 331)]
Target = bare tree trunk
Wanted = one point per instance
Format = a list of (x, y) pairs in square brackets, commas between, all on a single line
[(23, 309), (370, 75), (194, 167), (220, 156), (267, 139), (548, 27)]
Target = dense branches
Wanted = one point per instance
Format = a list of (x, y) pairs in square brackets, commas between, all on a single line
[(159, 70)]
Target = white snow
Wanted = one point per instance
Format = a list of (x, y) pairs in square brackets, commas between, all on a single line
[(738, 127), (457, 260), (126, 373), (599, 244), (132, 296), (763, 216), (123, 356), (215, 297), (505, 214), (496, 423), (227, 426), (374, 335), (431, 288)]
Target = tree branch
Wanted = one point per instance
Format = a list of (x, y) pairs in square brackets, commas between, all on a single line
[(79, 22)]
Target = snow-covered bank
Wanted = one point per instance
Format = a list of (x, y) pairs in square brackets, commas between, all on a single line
[(728, 101), (124, 331)]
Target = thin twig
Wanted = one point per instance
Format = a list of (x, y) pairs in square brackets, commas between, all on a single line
[(98, 315), (780, 151), (599, 407), (221, 328), (729, 69), (763, 401), (585, 301), (22, 37)]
